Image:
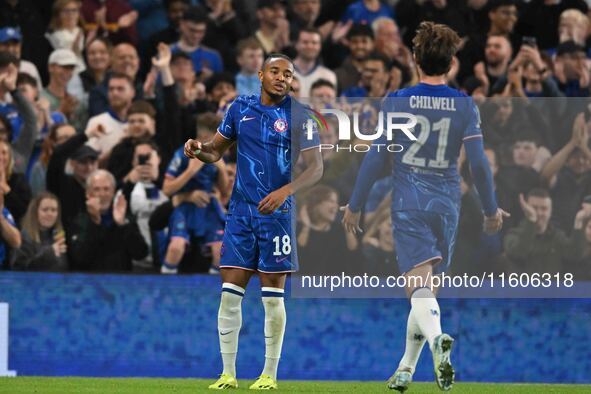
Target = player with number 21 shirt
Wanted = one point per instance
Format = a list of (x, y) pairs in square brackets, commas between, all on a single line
[(426, 192)]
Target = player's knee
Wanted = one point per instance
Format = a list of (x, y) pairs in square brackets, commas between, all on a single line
[(230, 304)]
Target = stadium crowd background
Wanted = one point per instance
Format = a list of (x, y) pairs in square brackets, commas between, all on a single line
[(96, 98)]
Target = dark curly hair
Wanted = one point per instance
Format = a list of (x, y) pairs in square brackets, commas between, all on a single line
[(434, 47)]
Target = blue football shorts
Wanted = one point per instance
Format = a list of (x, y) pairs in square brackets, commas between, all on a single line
[(263, 244), (423, 236)]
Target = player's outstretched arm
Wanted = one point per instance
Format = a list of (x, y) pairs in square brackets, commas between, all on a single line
[(370, 170), (210, 151), (483, 180), (312, 174)]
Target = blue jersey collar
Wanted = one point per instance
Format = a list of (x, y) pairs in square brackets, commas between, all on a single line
[(287, 96), (114, 116)]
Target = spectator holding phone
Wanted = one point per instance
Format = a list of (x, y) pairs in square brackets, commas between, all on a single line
[(43, 238), (127, 122), (144, 196)]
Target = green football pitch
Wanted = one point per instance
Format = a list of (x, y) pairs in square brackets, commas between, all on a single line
[(22, 385)]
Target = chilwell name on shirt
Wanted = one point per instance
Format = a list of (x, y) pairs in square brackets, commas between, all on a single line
[(427, 102)]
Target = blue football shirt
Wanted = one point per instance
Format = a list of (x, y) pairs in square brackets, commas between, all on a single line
[(359, 13), (205, 179), (269, 139), (204, 56), (16, 121), (425, 175)]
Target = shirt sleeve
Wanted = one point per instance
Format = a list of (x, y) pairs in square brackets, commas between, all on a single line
[(309, 126), (473, 124), (228, 128), (8, 216), (176, 165), (482, 175)]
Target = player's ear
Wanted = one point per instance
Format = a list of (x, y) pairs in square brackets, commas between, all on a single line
[(261, 75)]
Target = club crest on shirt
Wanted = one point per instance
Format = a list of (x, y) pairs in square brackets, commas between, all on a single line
[(280, 125)]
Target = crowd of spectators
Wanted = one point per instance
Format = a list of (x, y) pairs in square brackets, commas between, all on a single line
[(98, 96)]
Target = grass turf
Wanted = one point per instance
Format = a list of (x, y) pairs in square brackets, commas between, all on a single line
[(67, 385)]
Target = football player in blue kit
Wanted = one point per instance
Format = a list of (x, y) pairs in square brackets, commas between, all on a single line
[(426, 192), (258, 236), (190, 223)]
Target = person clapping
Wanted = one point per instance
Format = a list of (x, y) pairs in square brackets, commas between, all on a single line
[(105, 237)]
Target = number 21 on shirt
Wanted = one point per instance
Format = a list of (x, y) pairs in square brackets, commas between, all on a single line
[(442, 127)]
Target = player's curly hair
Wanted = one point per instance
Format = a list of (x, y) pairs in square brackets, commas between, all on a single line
[(434, 47)]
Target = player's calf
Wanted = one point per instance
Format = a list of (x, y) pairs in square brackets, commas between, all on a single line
[(275, 318), (229, 324), (415, 341)]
